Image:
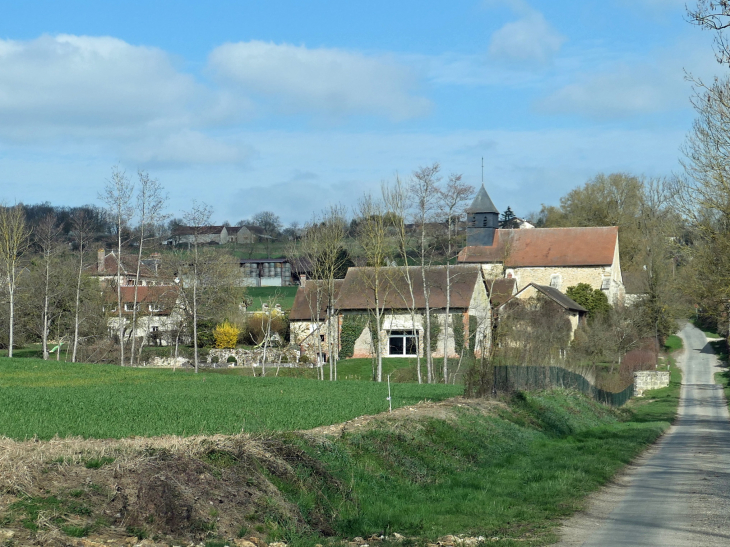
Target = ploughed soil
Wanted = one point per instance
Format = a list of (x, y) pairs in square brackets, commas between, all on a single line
[(166, 490)]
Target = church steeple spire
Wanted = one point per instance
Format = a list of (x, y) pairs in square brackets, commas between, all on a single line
[(482, 203), (482, 220)]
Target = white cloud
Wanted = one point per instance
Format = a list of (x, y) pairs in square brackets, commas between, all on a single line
[(89, 86), (186, 147), (330, 81), (652, 83), (625, 91), (529, 39)]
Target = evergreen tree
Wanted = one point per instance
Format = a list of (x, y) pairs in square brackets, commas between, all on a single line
[(508, 219), (594, 300)]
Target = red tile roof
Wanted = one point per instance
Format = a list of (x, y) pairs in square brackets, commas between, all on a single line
[(164, 296), (128, 266), (357, 291), (547, 247), (305, 301)]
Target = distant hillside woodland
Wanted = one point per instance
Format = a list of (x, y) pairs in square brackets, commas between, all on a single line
[(66, 288)]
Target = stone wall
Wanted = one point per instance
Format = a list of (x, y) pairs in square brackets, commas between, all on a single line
[(285, 357), (649, 379), (167, 362)]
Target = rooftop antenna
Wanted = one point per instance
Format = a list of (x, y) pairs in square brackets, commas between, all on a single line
[(482, 169)]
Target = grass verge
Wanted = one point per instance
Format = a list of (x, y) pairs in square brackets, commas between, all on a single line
[(510, 474), (673, 343)]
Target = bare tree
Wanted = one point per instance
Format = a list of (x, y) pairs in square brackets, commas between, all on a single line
[(14, 242), (453, 200), (373, 237), (321, 245), (151, 200), (308, 249), (82, 225), (424, 192), (197, 217), (714, 15), (396, 201), (117, 196), (47, 234)]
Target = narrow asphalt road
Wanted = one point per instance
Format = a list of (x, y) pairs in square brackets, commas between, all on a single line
[(679, 493)]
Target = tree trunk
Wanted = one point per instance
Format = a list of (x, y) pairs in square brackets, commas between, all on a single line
[(11, 290), (195, 310), (136, 286), (46, 324), (119, 293), (376, 338), (78, 304), (429, 356), (448, 306)]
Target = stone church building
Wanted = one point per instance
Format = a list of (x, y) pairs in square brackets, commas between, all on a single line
[(555, 257)]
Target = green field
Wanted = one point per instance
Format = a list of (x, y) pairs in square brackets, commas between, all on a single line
[(45, 398), (283, 296)]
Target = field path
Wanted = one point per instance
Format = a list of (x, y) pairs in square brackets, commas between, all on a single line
[(677, 493)]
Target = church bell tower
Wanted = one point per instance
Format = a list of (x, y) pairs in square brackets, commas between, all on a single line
[(482, 219)]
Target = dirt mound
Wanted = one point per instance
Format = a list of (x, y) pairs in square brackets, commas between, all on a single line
[(167, 489), (171, 490)]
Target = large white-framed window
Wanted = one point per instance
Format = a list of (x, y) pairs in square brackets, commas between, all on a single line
[(403, 343)]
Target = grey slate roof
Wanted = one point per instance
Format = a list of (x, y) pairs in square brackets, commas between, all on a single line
[(559, 298), (482, 203)]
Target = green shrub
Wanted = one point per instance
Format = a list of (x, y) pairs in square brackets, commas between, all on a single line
[(352, 326), (594, 300), (457, 325)]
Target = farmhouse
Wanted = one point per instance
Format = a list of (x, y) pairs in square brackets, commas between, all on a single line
[(556, 257), (575, 313), (205, 235), (105, 270), (310, 324), (403, 314), (158, 316), (244, 234)]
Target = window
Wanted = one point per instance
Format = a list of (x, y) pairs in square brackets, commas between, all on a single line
[(402, 342), (606, 283), (154, 307), (155, 328), (131, 307)]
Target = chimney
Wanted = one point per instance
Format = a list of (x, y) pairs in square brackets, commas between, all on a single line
[(303, 280), (100, 260)]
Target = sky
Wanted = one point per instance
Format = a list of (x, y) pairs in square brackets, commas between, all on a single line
[(291, 106)]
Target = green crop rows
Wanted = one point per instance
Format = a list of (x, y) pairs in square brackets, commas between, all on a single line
[(44, 399)]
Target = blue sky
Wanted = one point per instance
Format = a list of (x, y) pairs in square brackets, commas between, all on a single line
[(289, 105)]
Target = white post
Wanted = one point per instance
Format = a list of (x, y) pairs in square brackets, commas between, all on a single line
[(390, 401)]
